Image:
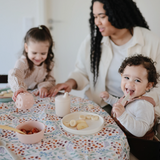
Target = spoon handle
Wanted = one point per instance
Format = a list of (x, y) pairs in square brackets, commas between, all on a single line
[(12, 154), (10, 128), (125, 98)]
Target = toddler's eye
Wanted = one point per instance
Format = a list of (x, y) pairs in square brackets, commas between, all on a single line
[(126, 77), (137, 80), (43, 53)]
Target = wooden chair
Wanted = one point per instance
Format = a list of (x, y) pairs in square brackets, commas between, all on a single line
[(3, 78)]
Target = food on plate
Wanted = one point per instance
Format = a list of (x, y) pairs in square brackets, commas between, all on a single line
[(92, 117), (81, 117), (7, 93), (95, 118), (90, 106), (9, 90), (88, 117), (82, 126), (32, 131), (67, 124), (73, 123), (3, 92), (81, 121)]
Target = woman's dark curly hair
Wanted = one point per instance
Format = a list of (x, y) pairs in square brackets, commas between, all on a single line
[(147, 63), (40, 34), (121, 14)]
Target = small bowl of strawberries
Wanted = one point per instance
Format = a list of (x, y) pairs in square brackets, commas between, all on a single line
[(33, 132)]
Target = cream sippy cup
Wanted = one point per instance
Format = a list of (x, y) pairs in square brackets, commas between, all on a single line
[(24, 101), (62, 105)]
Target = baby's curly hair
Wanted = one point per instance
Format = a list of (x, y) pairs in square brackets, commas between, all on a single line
[(147, 63), (121, 14)]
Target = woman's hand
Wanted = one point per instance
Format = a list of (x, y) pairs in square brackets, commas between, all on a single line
[(118, 109), (15, 94), (104, 95), (42, 92), (67, 86)]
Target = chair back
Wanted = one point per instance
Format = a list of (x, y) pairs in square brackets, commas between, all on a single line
[(3, 78)]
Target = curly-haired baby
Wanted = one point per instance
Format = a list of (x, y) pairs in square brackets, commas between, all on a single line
[(136, 117)]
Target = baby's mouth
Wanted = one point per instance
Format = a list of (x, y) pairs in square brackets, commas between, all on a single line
[(129, 91)]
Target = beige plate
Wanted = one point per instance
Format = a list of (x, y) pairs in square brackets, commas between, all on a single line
[(94, 126)]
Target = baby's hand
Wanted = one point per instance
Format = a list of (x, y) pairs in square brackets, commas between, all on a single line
[(118, 109), (104, 95), (15, 94), (42, 92)]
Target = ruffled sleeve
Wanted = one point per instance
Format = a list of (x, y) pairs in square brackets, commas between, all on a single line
[(17, 74)]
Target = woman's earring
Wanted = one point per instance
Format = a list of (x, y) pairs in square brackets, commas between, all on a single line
[(147, 90)]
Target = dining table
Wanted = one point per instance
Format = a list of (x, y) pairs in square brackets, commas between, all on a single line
[(110, 143)]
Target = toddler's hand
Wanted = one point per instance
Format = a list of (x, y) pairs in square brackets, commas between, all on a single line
[(15, 94), (118, 109), (104, 95), (42, 92)]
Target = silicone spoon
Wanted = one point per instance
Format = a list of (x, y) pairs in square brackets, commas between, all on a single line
[(10, 128), (12, 154), (124, 99)]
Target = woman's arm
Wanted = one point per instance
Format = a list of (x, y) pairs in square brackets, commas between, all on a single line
[(67, 86)]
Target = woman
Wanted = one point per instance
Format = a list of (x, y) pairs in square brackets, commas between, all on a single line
[(118, 30)]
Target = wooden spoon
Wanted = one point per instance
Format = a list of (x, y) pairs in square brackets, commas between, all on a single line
[(10, 128)]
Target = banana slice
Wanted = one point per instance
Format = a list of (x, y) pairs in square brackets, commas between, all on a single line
[(73, 123), (67, 124), (3, 92), (9, 91), (82, 126), (95, 118), (88, 117), (8, 95), (80, 121), (81, 117), (90, 106)]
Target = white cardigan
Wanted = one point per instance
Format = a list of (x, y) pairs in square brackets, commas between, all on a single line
[(144, 42)]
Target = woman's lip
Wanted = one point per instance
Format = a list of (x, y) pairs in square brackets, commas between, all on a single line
[(37, 61), (101, 29)]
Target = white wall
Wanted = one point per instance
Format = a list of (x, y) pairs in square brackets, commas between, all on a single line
[(70, 27), (151, 11), (13, 15), (12, 28)]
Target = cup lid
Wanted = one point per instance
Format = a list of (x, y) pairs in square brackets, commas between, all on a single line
[(64, 97)]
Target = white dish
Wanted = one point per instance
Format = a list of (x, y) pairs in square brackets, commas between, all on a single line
[(94, 126)]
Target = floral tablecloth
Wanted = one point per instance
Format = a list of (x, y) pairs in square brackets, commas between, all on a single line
[(110, 143)]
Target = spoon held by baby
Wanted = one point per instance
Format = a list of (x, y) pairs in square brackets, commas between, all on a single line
[(123, 101)]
